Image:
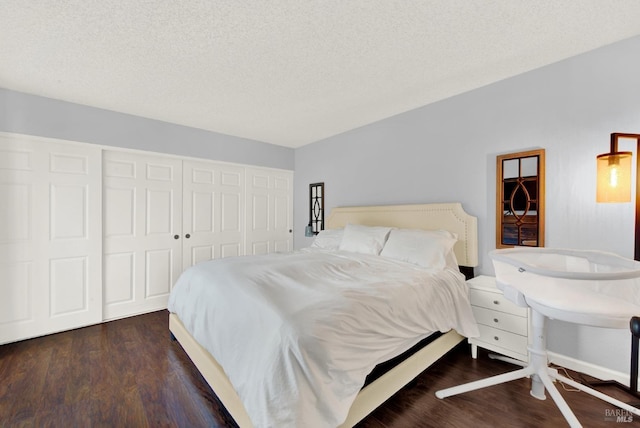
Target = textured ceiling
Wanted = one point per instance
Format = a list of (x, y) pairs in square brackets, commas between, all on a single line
[(288, 72)]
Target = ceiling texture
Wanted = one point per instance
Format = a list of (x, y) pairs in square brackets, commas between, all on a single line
[(288, 72)]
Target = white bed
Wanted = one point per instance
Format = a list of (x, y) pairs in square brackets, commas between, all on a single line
[(315, 378)]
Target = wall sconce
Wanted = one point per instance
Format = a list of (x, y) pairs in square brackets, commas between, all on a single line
[(614, 179), (316, 209)]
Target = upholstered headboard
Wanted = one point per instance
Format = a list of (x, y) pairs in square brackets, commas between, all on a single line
[(447, 216)]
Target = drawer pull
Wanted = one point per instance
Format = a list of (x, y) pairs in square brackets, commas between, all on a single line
[(496, 320), (496, 338), (496, 302)]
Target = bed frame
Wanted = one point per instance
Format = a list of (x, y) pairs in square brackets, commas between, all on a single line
[(449, 216)]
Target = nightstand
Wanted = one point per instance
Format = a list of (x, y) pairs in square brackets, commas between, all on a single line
[(504, 327)]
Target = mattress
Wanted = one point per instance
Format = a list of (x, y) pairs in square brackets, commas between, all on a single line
[(298, 333)]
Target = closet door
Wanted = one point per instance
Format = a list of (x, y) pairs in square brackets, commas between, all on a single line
[(50, 236), (142, 231), (269, 211), (282, 211), (213, 211)]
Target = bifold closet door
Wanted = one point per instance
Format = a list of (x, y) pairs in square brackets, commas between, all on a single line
[(142, 198), (50, 236), (213, 211), (269, 211)]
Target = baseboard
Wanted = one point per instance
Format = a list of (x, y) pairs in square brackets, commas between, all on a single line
[(590, 369)]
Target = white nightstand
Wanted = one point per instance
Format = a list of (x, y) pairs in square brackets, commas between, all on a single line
[(504, 327)]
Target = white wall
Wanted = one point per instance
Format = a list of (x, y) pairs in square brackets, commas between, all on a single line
[(33, 115), (447, 151)]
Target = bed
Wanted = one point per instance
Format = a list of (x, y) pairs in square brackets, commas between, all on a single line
[(450, 217)]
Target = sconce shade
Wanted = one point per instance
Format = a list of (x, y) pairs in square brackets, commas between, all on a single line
[(614, 177)]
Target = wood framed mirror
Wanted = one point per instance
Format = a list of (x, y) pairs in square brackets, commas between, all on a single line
[(520, 199)]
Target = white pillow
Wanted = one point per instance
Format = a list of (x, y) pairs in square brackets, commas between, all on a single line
[(364, 239), (427, 248), (328, 239)]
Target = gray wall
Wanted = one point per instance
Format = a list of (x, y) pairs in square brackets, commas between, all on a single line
[(447, 151), (442, 152), (33, 115)]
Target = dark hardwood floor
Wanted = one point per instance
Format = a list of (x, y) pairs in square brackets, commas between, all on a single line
[(128, 373)]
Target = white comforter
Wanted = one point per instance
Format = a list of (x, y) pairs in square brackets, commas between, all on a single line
[(298, 333)]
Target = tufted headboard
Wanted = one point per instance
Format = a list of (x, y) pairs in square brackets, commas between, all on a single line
[(447, 216)]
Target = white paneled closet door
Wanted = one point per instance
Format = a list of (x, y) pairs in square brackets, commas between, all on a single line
[(142, 231), (269, 211), (50, 236), (213, 211)]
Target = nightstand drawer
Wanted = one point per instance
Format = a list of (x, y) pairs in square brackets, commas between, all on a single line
[(496, 302), (503, 321), (503, 339)]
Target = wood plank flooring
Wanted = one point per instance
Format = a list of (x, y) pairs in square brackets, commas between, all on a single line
[(128, 373)]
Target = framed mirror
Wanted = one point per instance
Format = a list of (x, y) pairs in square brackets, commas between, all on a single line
[(520, 199), (316, 209)]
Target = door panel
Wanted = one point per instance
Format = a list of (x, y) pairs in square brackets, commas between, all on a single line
[(119, 277), (201, 254), (231, 250), (23, 306), (50, 236), (269, 211), (142, 217), (68, 285), (75, 231), (17, 291), (258, 213), (159, 277), (160, 211), (213, 211), (120, 210)]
